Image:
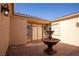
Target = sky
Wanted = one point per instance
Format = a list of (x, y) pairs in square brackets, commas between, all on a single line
[(49, 11)]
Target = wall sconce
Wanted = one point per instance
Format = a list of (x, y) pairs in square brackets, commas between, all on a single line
[(5, 9), (77, 24)]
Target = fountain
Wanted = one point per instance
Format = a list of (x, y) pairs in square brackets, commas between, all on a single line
[(50, 42)]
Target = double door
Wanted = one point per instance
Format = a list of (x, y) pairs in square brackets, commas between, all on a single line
[(34, 32)]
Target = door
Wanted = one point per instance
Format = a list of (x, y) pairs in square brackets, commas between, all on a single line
[(39, 32), (29, 32), (34, 32)]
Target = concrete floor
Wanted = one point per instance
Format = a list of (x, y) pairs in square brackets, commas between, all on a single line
[(37, 49)]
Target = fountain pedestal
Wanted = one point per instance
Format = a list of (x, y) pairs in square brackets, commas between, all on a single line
[(50, 42)]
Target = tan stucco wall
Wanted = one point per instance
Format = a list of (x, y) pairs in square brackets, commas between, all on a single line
[(18, 31), (69, 33), (4, 33)]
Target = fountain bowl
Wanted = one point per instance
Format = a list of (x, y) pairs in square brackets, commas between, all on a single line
[(50, 43), (50, 32)]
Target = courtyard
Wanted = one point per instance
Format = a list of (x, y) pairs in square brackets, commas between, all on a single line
[(18, 28), (36, 49)]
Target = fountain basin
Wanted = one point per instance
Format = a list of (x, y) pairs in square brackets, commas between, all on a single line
[(50, 43)]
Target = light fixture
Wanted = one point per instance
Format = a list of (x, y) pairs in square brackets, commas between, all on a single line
[(5, 9), (77, 24)]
